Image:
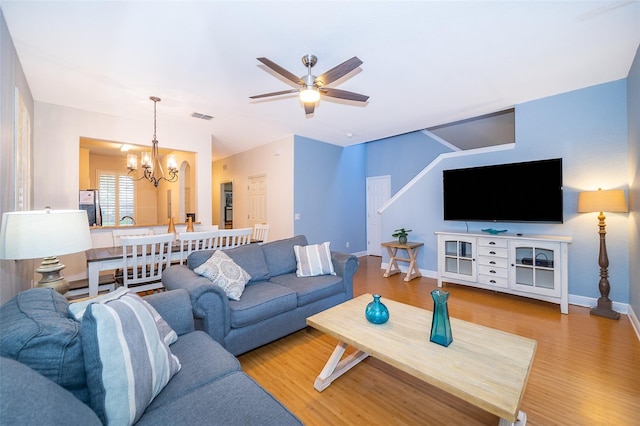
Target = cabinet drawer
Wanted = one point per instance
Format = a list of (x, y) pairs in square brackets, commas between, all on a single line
[(493, 281), (492, 271), (492, 242), (492, 251), (493, 261)]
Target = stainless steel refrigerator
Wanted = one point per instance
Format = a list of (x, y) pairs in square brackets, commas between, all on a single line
[(90, 201)]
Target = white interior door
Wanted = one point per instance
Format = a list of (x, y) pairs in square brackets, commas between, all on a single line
[(257, 200), (378, 193)]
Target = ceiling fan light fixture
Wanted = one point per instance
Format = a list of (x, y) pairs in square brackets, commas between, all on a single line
[(309, 94)]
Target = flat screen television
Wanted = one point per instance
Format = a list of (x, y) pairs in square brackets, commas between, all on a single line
[(516, 192)]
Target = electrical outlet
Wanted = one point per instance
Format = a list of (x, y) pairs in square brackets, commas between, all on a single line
[(347, 244), (297, 216)]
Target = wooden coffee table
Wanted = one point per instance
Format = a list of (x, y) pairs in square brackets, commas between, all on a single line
[(483, 366)]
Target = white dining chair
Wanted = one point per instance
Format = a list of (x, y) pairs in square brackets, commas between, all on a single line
[(261, 232), (230, 238), (194, 241), (144, 258), (128, 232)]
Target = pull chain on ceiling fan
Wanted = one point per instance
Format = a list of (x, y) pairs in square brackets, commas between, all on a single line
[(311, 87)]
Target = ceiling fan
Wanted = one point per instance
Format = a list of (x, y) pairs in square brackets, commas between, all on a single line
[(311, 87)]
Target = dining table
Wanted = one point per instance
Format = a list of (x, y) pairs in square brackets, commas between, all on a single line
[(110, 258)]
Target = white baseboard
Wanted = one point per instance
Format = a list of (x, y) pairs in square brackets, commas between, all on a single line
[(404, 268), (634, 321)]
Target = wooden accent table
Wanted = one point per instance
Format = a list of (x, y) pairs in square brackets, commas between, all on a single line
[(486, 367), (412, 250)]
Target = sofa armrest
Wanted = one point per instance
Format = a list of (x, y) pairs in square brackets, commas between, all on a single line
[(345, 265), (209, 302), (175, 308)]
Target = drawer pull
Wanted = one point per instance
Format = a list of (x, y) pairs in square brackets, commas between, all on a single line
[(493, 243), (492, 252), (492, 263), (492, 271), (492, 281)]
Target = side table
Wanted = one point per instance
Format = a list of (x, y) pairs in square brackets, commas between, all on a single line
[(412, 250)]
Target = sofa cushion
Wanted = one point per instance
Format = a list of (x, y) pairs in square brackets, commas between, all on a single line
[(280, 256), (78, 309), (224, 273), (251, 258), (37, 330), (203, 360), (232, 400), (313, 260), (261, 301), (126, 361), (311, 289), (28, 398)]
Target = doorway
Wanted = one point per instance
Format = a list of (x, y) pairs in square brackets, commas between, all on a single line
[(378, 193), (226, 205)]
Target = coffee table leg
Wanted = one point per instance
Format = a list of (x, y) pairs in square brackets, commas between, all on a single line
[(335, 368), (520, 421)]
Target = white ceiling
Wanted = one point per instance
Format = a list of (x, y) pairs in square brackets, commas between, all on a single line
[(426, 63)]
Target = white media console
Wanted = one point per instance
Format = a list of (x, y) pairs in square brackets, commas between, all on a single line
[(534, 266)]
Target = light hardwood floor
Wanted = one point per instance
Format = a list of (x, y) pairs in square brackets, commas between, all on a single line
[(586, 369)]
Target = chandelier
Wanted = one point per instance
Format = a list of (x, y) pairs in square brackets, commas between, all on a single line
[(150, 161)]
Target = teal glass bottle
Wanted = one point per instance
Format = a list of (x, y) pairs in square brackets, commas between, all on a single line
[(440, 324), (376, 311)]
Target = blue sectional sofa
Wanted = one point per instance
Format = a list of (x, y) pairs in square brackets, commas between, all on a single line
[(43, 379), (275, 301)]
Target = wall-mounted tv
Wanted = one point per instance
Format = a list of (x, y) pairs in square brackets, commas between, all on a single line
[(516, 192)]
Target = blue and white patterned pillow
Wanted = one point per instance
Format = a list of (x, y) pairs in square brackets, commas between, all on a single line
[(126, 359), (313, 260), (225, 273)]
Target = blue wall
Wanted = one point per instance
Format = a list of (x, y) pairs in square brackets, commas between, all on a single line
[(588, 129), (633, 114), (329, 194), (402, 157)]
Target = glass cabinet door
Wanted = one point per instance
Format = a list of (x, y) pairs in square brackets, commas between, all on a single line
[(534, 268), (459, 257)]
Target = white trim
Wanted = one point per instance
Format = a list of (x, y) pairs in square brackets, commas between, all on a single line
[(440, 140), (634, 321), (590, 302), (437, 160)]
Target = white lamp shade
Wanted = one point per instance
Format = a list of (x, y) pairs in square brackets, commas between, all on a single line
[(611, 200), (43, 233), (309, 95)]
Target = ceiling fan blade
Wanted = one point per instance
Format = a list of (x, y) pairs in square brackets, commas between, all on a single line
[(282, 92), (283, 72), (338, 71), (309, 107), (343, 94)]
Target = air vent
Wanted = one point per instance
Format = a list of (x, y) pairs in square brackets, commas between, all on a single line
[(201, 116)]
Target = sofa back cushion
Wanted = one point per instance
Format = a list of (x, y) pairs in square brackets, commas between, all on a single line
[(279, 254), (37, 330), (249, 257)]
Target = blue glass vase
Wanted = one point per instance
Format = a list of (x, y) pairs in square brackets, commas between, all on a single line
[(440, 325), (376, 312)]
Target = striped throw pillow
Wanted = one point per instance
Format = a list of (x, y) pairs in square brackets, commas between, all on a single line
[(126, 360), (77, 309), (313, 260)]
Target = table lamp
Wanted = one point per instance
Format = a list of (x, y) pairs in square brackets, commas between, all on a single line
[(613, 201), (45, 234)]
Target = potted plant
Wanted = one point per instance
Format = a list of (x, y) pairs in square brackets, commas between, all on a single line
[(401, 234)]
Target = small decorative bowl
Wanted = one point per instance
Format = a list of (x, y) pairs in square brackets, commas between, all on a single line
[(493, 231)]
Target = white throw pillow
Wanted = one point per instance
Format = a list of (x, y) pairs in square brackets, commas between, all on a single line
[(224, 273), (314, 260)]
